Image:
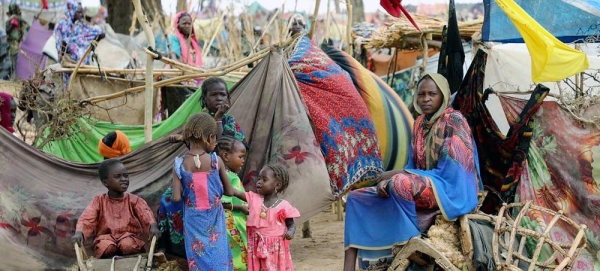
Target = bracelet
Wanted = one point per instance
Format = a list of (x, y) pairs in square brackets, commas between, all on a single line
[(219, 121), (231, 206)]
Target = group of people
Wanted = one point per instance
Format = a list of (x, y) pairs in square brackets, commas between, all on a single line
[(206, 211)]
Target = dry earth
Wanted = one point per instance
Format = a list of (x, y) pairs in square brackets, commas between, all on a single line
[(325, 250)]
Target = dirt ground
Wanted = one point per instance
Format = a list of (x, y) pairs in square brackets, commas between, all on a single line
[(325, 250)]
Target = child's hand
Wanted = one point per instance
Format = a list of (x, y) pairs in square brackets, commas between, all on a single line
[(154, 231), (175, 138), (221, 109), (77, 238), (289, 234), (243, 209)]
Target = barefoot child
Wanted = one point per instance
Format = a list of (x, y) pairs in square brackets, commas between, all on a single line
[(117, 219), (200, 180), (233, 154), (270, 223)]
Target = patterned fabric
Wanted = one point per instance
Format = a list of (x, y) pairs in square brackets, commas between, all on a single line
[(205, 239), (454, 180), (504, 157), (232, 128), (77, 35), (550, 182), (170, 224), (112, 220), (393, 121), (236, 226), (347, 137), (267, 249)]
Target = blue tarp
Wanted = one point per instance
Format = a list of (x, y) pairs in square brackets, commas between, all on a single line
[(567, 20)]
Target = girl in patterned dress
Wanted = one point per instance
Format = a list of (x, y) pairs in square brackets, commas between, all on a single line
[(200, 180), (270, 225), (233, 154)]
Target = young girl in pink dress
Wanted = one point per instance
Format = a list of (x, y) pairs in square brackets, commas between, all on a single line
[(270, 223)]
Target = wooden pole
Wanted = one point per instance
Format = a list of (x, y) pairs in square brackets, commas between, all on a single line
[(149, 97), (349, 28), (314, 20)]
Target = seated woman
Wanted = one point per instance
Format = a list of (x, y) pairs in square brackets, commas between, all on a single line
[(442, 172), (73, 34)]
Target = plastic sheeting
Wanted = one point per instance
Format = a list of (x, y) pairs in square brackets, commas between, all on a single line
[(567, 20)]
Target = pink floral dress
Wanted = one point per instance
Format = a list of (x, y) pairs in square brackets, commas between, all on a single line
[(268, 250)]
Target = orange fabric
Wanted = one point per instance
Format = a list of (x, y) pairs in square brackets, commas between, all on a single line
[(115, 219), (120, 147)]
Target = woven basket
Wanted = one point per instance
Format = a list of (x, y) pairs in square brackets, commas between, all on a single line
[(509, 234)]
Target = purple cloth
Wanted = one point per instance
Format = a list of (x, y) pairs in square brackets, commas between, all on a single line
[(31, 56)]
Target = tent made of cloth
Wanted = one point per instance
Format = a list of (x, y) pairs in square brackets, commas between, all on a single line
[(83, 145), (42, 196), (566, 20)]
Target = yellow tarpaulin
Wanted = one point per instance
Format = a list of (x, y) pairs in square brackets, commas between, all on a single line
[(551, 60)]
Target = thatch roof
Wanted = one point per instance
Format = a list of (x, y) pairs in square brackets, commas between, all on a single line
[(400, 33)]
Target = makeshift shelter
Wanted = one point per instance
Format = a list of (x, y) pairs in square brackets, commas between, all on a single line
[(38, 215), (576, 21)]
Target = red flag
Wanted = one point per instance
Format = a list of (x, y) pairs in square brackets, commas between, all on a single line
[(394, 8), (45, 4)]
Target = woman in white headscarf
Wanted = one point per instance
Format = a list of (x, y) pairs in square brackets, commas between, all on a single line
[(442, 172)]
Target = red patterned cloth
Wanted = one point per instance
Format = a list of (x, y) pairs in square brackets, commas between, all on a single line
[(342, 123)]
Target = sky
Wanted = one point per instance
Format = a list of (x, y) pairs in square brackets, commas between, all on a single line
[(302, 5)]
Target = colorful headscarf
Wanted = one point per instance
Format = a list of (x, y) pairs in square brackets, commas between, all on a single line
[(120, 147), (429, 130), (71, 9), (185, 53), (442, 84), (5, 114)]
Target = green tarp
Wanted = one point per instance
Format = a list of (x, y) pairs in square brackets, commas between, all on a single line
[(83, 146)]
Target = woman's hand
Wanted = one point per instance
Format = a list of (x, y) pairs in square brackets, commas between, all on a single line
[(382, 188), (243, 209)]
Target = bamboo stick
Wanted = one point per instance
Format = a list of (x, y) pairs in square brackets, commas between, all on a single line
[(149, 97), (87, 52), (349, 27), (151, 252), (133, 21), (123, 71), (173, 81), (327, 21), (314, 19), (80, 260), (265, 31), (217, 30), (174, 63)]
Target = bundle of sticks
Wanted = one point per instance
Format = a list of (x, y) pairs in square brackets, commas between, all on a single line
[(400, 33)]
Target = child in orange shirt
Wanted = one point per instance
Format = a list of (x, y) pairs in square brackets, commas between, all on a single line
[(116, 219)]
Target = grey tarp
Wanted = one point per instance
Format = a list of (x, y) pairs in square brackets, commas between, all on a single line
[(41, 196)]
